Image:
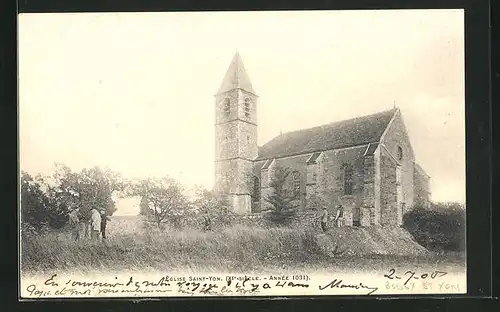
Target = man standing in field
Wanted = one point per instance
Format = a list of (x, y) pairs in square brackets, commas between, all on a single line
[(74, 223), (104, 221), (339, 218), (324, 219), (95, 224)]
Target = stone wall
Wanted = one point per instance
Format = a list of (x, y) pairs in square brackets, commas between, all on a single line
[(388, 196), (365, 216), (247, 140), (226, 140), (397, 137), (302, 221), (233, 176), (328, 191), (368, 204), (331, 182), (225, 175)]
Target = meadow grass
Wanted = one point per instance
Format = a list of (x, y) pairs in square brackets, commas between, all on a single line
[(235, 248)]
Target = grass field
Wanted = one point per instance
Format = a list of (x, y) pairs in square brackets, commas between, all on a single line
[(134, 246)]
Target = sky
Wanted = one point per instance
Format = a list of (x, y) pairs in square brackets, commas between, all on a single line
[(134, 91)]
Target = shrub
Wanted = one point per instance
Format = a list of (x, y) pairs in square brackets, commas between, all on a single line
[(212, 207), (439, 227)]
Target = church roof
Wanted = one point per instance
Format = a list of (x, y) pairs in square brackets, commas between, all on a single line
[(236, 77), (341, 134)]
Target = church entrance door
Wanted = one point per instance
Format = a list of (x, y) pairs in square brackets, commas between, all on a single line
[(356, 216)]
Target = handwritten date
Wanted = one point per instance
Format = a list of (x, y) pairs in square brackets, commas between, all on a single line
[(411, 275)]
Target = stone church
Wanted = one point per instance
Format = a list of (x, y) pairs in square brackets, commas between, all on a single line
[(367, 163)]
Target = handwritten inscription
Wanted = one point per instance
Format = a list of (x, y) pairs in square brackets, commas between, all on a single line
[(243, 285), (409, 275), (190, 286), (338, 283)]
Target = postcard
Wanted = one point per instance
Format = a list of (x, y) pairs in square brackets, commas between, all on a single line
[(271, 153)]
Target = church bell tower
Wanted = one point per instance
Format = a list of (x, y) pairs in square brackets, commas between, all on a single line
[(235, 136)]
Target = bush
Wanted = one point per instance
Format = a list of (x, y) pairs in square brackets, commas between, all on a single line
[(212, 207), (439, 227)]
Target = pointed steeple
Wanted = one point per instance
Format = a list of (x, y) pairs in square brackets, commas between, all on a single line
[(236, 77)]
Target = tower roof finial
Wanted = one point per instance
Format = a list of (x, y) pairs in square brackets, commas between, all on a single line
[(236, 77)]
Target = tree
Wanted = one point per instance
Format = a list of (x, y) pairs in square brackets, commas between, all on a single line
[(283, 197), (89, 189), (164, 196), (49, 200), (34, 203)]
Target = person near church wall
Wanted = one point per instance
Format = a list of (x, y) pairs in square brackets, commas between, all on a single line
[(339, 217)]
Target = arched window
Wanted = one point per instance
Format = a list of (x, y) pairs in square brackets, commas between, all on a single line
[(296, 182), (400, 153), (227, 106), (247, 107), (348, 183), (256, 188)]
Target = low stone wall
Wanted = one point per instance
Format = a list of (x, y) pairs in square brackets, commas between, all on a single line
[(302, 220), (365, 217), (307, 220)]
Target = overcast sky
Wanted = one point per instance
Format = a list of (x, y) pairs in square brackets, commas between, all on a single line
[(134, 91)]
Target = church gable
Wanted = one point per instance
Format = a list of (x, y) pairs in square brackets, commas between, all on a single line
[(396, 139), (396, 171)]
